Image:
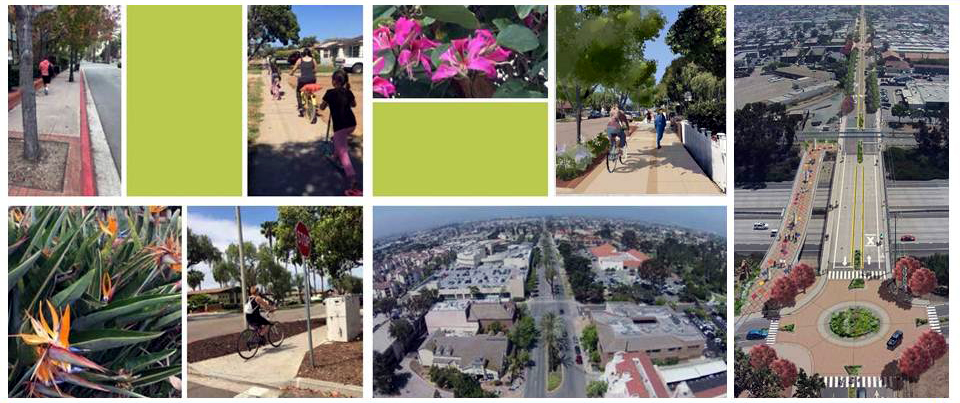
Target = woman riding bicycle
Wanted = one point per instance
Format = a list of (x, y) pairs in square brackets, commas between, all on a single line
[(615, 127), (252, 308), (308, 74)]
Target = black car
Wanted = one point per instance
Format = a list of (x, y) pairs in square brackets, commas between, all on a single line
[(895, 340), (942, 291)]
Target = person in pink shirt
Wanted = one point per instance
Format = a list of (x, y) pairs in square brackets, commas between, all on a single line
[(45, 73)]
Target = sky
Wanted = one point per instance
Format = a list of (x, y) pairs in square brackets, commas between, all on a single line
[(658, 49), (326, 22), (220, 225), (393, 220)]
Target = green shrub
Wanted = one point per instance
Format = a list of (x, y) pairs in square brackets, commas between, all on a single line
[(111, 275), (920, 321), (854, 322), (599, 145), (856, 283), (789, 328), (198, 301)]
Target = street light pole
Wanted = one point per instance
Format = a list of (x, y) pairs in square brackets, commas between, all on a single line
[(243, 279)]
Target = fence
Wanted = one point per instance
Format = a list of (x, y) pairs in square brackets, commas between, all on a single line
[(710, 154)]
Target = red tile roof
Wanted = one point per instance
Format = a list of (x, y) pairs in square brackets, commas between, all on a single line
[(712, 392), (603, 250), (635, 385)]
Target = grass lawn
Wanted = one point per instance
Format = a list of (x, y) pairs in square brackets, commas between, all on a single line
[(856, 283), (553, 380), (254, 101)]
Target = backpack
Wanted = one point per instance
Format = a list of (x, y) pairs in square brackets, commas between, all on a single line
[(248, 307)]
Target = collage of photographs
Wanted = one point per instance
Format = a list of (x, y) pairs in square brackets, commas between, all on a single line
[(408, 217)]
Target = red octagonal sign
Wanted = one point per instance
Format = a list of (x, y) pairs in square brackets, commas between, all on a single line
[(303, 239)]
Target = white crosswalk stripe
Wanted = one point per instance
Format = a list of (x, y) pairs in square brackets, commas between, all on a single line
[(933, 319), (852, 274), (772, 332), (843, 381)]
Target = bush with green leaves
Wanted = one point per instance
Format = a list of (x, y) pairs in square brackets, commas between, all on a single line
[(94, 302), (458, 51)]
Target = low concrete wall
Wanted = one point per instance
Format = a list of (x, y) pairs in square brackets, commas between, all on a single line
[(711, 155)]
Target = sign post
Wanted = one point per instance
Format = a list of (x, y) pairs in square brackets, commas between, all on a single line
[(303, 246)]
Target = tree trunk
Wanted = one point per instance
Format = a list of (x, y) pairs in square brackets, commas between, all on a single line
[(73, 61), (579, 109), (28, 100)]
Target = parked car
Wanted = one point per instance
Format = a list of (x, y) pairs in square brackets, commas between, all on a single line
[(908, 238), (350, 64), (595, 115), (756, 334), (895, 340)]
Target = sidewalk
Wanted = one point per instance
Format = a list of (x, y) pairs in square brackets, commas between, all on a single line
[(647, 170), (66, 166), (272, 367), (288, 156)]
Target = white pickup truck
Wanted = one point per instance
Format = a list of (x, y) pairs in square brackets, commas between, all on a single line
[(351, 64)]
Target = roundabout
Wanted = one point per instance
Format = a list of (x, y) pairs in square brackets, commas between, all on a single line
[(853, 323)]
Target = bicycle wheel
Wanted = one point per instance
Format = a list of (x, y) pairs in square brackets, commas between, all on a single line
[(621, 156), (311, 106), (275, 335), (611, 160), (247, 344)]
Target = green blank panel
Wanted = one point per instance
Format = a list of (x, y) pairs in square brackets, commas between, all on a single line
[(184, 100), (460, 149)]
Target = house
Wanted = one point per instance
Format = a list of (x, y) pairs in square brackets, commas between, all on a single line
[(328, 51), (607, 258), (222, 296), (482, 356), (633, 375)]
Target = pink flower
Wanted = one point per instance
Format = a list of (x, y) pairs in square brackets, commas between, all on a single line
[(479, 53), (382, 41), (407, 42), (383, 87)]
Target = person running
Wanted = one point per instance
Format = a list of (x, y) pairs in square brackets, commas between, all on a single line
[(660, 123), (252, 308), (615, 128), (308, 74), (45, 74), (341, 101)]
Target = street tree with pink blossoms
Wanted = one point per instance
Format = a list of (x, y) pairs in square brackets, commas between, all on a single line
[(457, 51)]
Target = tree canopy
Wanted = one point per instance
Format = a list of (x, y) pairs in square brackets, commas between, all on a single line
[(267, 24)]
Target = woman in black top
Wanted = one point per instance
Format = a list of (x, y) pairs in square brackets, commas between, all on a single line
[(308, 74), (341, 102), (252, 310)]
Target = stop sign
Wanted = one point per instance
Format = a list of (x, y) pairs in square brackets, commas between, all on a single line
[(303, 239)]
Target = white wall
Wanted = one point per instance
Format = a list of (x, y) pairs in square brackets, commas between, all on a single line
[(711, 155)]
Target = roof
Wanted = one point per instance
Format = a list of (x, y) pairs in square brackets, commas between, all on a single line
[(897, 64), (491, 311), (694, 370), (640, 368), (491, 351), (214, 290), (624, 326), (603, 250)]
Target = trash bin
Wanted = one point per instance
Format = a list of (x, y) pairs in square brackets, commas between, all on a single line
[(344, 322)]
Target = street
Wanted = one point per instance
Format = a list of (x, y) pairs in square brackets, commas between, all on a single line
[(103, 82), (589, 128), (201, 327)]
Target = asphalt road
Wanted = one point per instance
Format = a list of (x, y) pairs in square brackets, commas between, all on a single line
[(567, 131), (740, 334), (104, 83), (201, 327)]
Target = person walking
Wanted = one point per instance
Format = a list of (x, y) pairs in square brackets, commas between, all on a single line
[(341, 101), (45, 74), (660, 123)]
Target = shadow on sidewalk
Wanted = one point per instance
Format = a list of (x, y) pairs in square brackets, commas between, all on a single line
[(297, 169)]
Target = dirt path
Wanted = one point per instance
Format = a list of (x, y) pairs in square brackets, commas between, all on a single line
[(288, 157)]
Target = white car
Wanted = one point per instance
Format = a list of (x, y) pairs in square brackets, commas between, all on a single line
[(760, 225), (351, 64)]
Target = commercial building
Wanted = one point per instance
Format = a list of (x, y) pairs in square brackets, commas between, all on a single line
[(657, 331), (486, 276), (483, 356), (633, 375), (467, 317), (926, 95)]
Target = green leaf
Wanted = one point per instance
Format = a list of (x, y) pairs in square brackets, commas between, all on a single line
[(123, 307), (516, 89), (105, 339), (383, 11), (166, 320), (502, 23), (74, 291), (14, 275), (524, 11), (135, 364), (154, 376), (519, 38), (459, 15)]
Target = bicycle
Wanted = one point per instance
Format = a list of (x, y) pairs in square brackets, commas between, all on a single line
[(615, 154), (275, 90), (310, 101), (250, 340)]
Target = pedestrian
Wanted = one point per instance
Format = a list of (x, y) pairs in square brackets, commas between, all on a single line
[(660, 124), (45, 74), (649, 117), (341, 101)]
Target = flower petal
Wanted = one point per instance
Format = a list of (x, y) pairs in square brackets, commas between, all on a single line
[(484, 65), (443, 72), (383, 87)]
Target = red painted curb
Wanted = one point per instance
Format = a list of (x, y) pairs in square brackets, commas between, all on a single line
[(86, 160)]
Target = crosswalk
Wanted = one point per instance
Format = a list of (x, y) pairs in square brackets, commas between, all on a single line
[(933, 319), (772, 332), (852, 274), (845, 381)]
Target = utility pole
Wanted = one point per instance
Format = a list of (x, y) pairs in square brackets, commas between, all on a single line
[(243, 279)]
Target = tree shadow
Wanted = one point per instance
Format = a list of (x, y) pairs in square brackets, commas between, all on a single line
[(892, 371), (297, 169), (889, 293)]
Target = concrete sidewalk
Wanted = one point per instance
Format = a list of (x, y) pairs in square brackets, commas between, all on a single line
[(272, 368), (57, 113), (648, 170)]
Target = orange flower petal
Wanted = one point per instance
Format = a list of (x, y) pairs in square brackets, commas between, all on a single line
[(65, 329)]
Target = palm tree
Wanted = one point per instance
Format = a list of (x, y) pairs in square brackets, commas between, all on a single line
[(269, 230), (548, 326), (195, 279)]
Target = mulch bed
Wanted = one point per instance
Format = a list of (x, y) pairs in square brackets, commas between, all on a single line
[(47, 174), (220, 346), (336, 362), (301, 392)]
